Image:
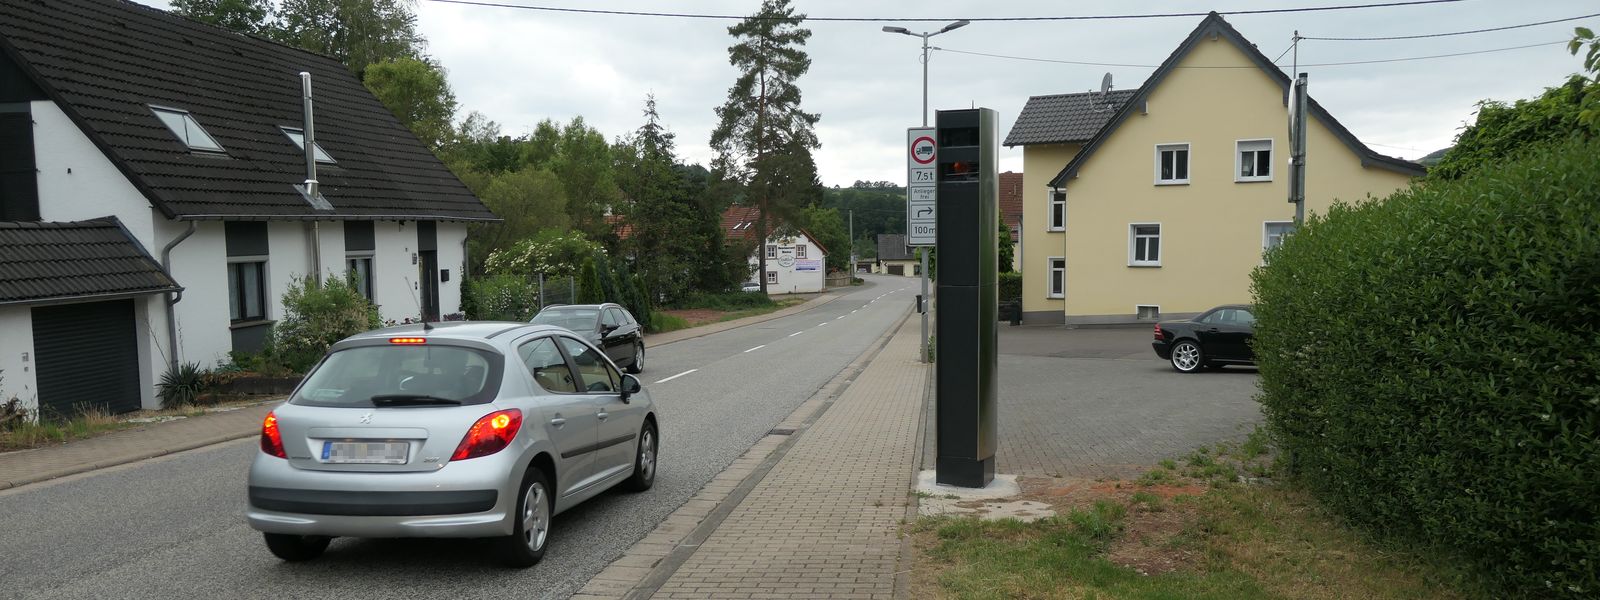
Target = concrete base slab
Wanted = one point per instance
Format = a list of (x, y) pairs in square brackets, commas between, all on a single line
[(1022, 510), (1003, 486)]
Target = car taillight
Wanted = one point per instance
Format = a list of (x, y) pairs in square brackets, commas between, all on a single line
[(490, 434), (1158, 331), (271, 439)]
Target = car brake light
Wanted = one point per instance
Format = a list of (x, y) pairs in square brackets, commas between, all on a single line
[(410, 340), (1158, 331), (491, 434), (271, 439)]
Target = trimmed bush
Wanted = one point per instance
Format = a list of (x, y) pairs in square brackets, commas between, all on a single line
[(316, 317), (502, 298), (725, 301), (1431, 366), (1010, 287)]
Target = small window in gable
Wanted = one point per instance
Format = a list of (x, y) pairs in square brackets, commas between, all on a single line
[(188, 130), (298, 136)]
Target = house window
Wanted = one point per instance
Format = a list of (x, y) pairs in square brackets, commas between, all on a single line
[(1147, 312), (772, 277), (800, 251), (1058, 277), (1058, 210), (1144, 245), (772, 250), (1254, 160), (188, 130), (1172, 164), (298, 136), (1273, 233), (247, 290), (359, 270)]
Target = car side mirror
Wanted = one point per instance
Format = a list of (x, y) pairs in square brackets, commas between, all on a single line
[(607, 329), (630, 386)]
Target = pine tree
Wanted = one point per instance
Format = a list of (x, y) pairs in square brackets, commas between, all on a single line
[(763, 139)]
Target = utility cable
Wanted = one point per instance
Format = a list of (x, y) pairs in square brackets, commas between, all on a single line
[(1446, 34), (1327, 64), (631, 13)]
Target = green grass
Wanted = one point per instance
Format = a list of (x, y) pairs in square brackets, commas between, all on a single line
[(661, 322), (730, 301), (89, 423)]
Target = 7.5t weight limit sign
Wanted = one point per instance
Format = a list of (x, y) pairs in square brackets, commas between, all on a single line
[(922, 191)]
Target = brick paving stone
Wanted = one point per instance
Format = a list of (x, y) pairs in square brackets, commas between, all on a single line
[(824, 522)]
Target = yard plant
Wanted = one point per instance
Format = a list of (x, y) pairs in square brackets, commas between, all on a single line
[(1429, 366)]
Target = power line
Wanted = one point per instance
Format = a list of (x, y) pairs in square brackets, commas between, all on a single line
[(1327, 64), (631, 13), (1447, 34)]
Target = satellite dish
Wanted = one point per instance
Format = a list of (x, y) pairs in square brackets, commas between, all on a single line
[(1105, 84)]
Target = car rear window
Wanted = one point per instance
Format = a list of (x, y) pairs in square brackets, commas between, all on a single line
[(353, 376), (576, 319)]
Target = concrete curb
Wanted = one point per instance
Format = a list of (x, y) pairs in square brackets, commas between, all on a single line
[(122, 460), (671, 337), (645, 567)]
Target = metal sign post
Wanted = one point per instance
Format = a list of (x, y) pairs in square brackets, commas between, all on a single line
[(922, 208)]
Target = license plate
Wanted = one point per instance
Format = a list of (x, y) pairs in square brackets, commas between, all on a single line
[(365, 453)]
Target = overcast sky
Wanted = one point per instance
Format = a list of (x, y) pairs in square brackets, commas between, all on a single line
[(522, 66)]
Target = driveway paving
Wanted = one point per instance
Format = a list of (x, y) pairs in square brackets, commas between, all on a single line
[(173, 527)]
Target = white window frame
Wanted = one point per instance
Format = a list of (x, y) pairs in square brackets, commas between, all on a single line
[(1266, 232), (1238, 159), (1051, 281), (772, 277), (1188, 163), (799, 250), (1133, 245), (297, 136), (772, 251), (194, 135), (1056, 198)]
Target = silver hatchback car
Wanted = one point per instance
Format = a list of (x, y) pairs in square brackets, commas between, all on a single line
[(449, 430)]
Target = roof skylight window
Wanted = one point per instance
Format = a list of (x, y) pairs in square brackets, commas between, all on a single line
[(187, 129), (298, 136)]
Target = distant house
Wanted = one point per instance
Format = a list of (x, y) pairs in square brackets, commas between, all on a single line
[(151, 172), (1158, 201), (1011, 213), (895, 257), (796, 263)]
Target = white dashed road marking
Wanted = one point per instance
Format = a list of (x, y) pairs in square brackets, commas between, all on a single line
[(796, 333), (756, 348), (677, 376)]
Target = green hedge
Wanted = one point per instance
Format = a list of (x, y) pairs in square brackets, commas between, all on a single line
[(724, 301), (1010, 287), (1430, 366)]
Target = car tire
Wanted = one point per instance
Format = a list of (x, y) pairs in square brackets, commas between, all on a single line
[(637, 366), (1187, 356), (530, 534), (296, 548), (644, 460)]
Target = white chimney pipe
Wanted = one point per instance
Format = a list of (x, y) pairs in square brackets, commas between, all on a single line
[(308, 135)]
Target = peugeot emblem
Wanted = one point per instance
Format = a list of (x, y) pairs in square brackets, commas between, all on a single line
[(366, 419)]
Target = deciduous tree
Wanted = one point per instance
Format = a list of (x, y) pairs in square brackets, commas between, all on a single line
[(415, 91)]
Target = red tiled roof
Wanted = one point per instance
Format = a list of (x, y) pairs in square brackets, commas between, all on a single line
[(1011, 198), (739, 223), (620, 225)]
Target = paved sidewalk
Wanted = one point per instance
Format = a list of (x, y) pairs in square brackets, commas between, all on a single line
[(148, 441), (824, 522)]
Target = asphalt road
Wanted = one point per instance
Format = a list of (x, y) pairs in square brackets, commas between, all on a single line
[(174, 527)]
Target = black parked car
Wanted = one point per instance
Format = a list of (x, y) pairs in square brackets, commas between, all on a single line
[(1217, 337), (608, 326)]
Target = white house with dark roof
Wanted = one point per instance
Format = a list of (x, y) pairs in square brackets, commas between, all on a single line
[(189, 136), (796, 263)]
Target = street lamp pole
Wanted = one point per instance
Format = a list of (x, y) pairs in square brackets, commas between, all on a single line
[(922, 252)]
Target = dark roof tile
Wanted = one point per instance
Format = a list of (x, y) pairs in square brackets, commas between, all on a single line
[(892, 246), (56, 261), (106, 61), (1065, 118)]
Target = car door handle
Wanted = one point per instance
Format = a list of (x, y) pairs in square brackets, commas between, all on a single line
[(602, 415), (1213, 330), (558, 422)]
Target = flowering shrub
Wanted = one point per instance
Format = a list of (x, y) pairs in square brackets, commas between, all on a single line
[(314, 318), (553, 253), (503, 298)]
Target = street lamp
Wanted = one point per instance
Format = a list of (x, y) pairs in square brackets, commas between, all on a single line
[(925, 35), (924, 255)]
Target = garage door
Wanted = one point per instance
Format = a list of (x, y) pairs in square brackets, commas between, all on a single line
[(87, 354), (897, 269)]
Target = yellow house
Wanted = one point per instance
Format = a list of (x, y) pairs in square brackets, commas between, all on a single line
[(1157, 202)]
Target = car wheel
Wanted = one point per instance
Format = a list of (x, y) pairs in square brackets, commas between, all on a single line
[(1187, 357), (644, 461), (530, 534), (637, 366), (296, 548)]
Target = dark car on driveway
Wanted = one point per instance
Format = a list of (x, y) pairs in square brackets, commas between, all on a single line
[(608, 326), (1217, 337)]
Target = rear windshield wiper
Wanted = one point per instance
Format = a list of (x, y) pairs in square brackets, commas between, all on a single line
[(411, 400)]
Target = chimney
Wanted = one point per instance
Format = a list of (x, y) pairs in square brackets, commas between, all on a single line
[(308, 134)]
